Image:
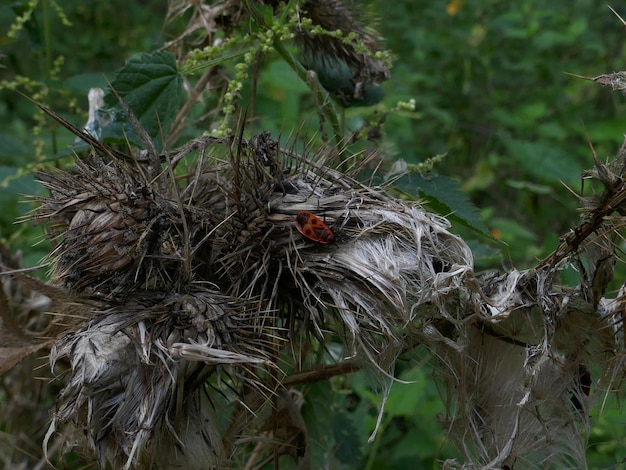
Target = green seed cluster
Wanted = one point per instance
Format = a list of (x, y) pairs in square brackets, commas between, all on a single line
[(21, 20), (260, 42), (406, 105)]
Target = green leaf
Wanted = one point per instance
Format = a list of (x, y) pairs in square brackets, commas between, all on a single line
[(611, 130), (317, 414), (348, 449), (546, 162), (11, 148), (267, 12), (444, 196), (404, 399), (151, 86), (512, 231)]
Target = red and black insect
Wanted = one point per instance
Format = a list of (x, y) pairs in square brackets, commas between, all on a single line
[(313, 228)]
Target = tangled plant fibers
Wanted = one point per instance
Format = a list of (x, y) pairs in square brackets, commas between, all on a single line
[(205, 292), (193, 307)]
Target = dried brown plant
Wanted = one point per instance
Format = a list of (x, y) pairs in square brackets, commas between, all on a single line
[(185, 309), (186, 305)]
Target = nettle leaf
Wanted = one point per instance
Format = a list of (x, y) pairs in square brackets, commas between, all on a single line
[(151, 86), (348, 443), (317, 415), (445, 196), (544, 161)]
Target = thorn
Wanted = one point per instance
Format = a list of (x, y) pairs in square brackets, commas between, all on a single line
[(603, 173), (617, 14), (575, 75), (593, 151), (88, 138)]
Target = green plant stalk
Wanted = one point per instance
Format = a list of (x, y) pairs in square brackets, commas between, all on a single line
[(321, 95), (48, 59), (190, 70), (46, 35)]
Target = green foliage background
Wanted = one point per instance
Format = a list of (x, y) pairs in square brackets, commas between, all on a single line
[(491, 92)]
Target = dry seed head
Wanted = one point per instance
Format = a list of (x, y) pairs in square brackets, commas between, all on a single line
[(393, 277), (115, 230), (129, 241), (138, 365), (518, 383)]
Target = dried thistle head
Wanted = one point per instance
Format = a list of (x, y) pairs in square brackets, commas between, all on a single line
[(203, 287), (203, 284), (342, 51), (335, 38), (115, 229), (140, 370), (518, 384), (26, 334)]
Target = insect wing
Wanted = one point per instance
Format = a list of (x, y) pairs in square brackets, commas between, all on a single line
[(302, 220), (313, 228), (322, 234)]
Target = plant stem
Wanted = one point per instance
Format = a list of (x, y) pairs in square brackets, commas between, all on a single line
[(46, 37), (48, 58), (325, 103)]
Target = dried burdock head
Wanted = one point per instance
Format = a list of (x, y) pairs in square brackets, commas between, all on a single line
[(140, 371), (115, 229), (159, 354), (210, 296), (346, 68)]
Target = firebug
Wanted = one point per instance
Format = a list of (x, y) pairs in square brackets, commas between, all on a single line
[(313, 228)]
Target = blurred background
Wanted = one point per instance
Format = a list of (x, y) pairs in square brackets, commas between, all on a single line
[(492, 92)]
